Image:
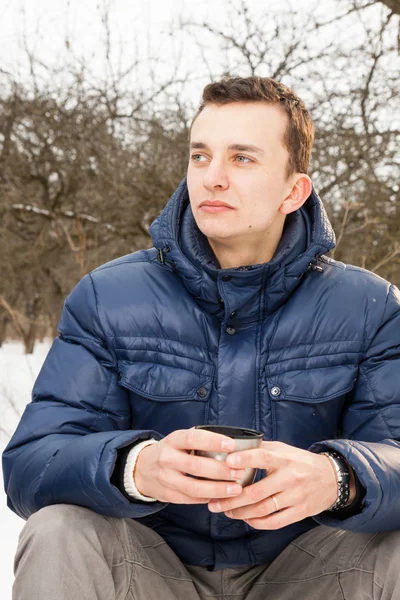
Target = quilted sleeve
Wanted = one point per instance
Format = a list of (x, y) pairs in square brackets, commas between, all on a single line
[(371, 429), (66, 443)]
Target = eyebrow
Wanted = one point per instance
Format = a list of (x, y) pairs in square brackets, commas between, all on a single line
[(238, 147)]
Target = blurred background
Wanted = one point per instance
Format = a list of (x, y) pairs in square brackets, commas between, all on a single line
[(96, 100)]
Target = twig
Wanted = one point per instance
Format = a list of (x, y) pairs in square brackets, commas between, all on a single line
[(387, 258)]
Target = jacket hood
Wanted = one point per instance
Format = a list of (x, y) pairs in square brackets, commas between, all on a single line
[(254, 289)]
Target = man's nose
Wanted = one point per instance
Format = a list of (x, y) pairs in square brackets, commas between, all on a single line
[(216, 175)]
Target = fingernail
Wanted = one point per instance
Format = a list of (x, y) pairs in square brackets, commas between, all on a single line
[(234, 460), (233, 489), (215, 507), (228, 445)]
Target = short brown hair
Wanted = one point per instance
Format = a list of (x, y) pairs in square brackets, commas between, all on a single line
[(299, 135)]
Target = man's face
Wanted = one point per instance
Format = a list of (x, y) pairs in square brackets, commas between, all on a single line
[(251, 181)]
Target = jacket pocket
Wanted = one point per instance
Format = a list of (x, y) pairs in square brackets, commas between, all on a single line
[(318, 384), (167, 393), (307, 405), (167, 380)]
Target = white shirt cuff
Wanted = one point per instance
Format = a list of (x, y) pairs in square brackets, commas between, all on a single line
[(129, 482)]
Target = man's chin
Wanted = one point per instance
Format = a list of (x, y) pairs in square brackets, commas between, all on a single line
[(217, 227), (219, 233)]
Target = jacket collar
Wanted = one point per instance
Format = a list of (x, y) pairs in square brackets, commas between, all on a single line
[(253, 290)]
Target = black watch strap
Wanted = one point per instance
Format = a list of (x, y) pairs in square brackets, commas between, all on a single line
[(342, 478)]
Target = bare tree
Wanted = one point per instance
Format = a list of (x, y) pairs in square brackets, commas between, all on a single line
[(84, 168)]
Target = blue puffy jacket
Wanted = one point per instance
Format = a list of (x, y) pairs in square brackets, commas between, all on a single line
[(304, 348)]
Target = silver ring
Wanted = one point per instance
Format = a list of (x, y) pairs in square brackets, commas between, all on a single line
[(276, 503)]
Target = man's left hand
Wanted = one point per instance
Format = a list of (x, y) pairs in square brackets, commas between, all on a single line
[(302, 482)]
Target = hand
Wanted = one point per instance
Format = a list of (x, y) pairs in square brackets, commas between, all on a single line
[(304, 484), (161, 469)]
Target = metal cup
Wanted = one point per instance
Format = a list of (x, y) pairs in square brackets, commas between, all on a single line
[(245, 439)]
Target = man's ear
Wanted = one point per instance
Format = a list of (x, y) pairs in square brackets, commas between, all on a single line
[(299, 193)]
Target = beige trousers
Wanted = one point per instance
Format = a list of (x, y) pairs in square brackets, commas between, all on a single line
[(68, 552)]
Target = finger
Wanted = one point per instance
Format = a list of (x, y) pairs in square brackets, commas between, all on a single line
[(174, 495), (257, 458), (264, 508), (252, 494), (199, 488), (200, 466), (277, 520), (200, 439), (181, 498)]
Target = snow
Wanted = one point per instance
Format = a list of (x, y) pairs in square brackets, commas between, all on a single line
[(17, 375)]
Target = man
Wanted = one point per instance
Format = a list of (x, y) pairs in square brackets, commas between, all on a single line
[(235, 317)]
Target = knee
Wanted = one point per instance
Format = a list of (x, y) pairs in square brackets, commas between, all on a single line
[(58, 521), (65, 534)]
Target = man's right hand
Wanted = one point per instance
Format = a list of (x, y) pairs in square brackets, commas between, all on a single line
[(161, 469)]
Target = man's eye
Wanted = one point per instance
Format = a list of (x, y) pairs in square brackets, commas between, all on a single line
[(194, 156)]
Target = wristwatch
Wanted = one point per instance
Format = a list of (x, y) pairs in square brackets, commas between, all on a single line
[(343, 479)]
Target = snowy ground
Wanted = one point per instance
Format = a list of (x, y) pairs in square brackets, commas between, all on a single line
[(17, 374)]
